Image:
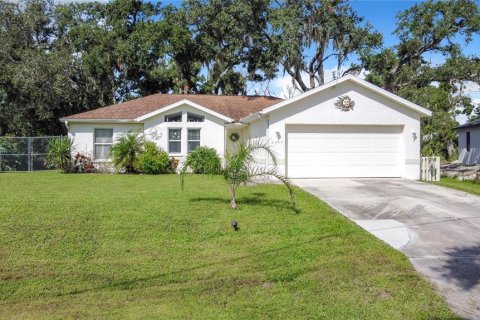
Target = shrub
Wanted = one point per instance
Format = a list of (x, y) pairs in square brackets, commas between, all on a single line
[(59, 154), (204, 160), (153, 160), (83, 163), (126, 151)]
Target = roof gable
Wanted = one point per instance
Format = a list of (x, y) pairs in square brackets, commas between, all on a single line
[(382, 92), (180, 103)]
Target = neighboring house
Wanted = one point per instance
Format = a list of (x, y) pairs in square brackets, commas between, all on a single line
[(469, 142), (345, 128)]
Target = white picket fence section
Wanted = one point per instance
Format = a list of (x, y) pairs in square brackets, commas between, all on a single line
[(430, 168)]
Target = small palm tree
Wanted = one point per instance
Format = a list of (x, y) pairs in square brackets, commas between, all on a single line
[(126, 151), (240, 168), (59, 153)]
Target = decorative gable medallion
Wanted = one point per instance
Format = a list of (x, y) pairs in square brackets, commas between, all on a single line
[(344, 103)]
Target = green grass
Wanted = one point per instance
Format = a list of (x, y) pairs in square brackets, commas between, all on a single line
[(135, 246), (472, 187)]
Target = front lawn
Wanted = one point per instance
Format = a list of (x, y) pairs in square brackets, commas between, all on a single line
[(472, 187), (135, 246)]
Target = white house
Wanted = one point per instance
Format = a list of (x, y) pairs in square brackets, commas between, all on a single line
[(469, 142), (345, 128)]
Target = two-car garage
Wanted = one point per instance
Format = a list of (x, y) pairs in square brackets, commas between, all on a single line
[(347, 128), (319, 151)]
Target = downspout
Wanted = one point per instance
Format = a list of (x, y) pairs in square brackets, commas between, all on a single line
[(267, 133)]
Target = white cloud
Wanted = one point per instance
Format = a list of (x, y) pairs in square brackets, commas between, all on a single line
[(461, 118)]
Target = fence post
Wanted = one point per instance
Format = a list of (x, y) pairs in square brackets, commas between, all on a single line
[(29, 152)]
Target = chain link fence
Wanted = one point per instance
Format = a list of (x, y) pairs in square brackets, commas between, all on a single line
[(24, 153)]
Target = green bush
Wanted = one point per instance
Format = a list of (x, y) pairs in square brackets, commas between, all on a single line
[(59, 154), (153, 160), (204, 160)]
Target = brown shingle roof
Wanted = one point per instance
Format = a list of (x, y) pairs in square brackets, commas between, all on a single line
[(235, 107)]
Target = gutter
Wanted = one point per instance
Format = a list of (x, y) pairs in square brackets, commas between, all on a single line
[(468, 126), (267, 121), (66, 120), (253, 116)]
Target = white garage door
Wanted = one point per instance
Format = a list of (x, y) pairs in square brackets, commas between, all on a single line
[(343, 151)]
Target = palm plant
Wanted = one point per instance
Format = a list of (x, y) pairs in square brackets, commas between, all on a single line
[(59, 154), (240, 168), (126, 150)]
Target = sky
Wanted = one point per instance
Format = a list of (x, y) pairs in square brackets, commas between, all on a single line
[(381, 14)]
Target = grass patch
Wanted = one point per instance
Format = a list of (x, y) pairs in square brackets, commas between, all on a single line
[(135, 246), (472, 187)]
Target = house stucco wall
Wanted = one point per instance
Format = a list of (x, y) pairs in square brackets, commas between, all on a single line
[(83, 133), (472, 156), (212, 131), (319, 109)]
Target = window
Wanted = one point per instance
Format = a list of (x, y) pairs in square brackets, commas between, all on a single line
[(103, 142), (174, 140), (193, 139), (176, 117), (191, 117), (468, 141)]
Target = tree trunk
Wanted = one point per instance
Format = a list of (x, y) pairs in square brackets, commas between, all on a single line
[(233, 203)]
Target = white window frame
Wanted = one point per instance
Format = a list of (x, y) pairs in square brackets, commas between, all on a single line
[(173, 114), (199, 139), (179, 141), (201, 117), (95, 143)]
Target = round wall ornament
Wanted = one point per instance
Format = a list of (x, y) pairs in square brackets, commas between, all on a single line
[(155, 134), (234, 137), (344, 103)]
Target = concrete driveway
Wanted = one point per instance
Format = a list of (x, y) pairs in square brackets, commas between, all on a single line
[(437, 228)]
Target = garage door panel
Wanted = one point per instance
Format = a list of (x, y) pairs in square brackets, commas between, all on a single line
[(343, 151), (385, 145), (326, 145), (358, 158), (384, 158), (357, 145), (328, 159)]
